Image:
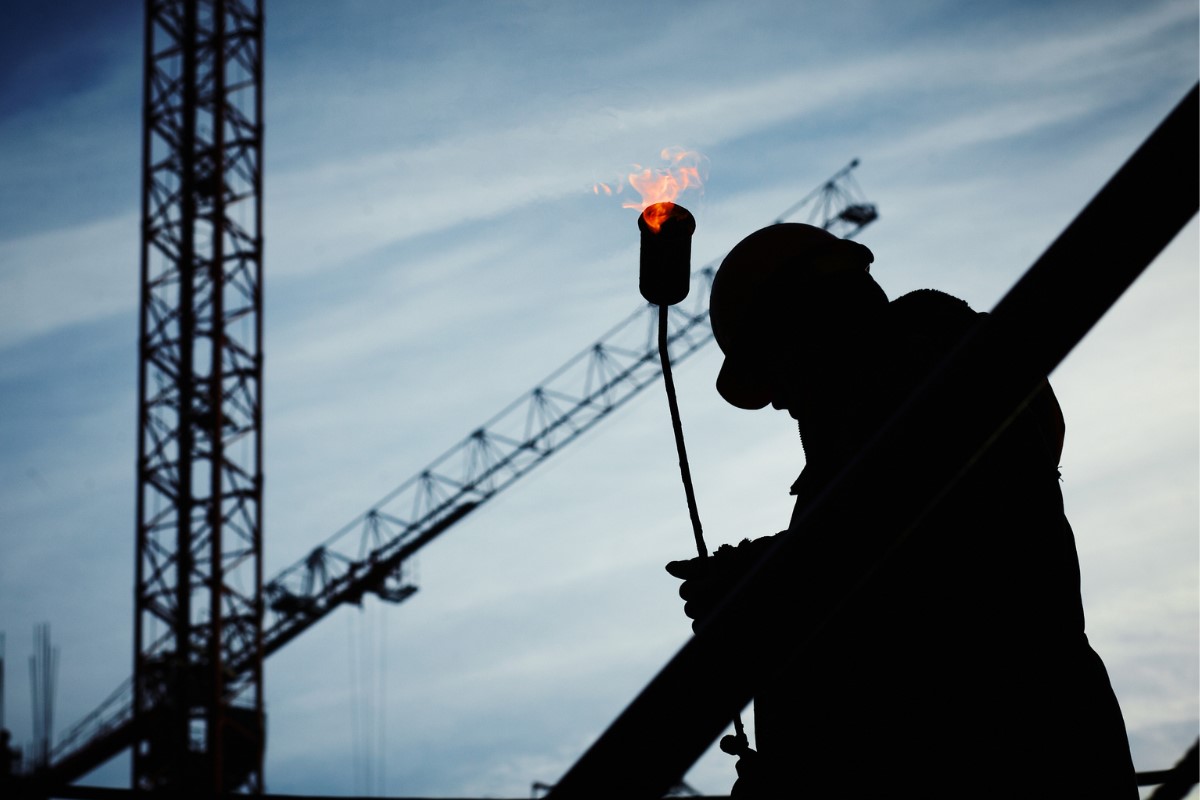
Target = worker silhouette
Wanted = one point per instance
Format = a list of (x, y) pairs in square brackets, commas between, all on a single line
[(961, 669)]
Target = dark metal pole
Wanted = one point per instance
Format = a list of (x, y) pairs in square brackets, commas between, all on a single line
[(685, 471), (996, 369)]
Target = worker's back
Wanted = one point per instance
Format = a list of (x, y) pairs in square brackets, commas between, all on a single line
[(962, 669)]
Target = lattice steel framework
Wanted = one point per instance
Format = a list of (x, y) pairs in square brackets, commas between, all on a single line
[(198, 726)]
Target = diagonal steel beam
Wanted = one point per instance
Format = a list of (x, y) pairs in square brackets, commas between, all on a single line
[(996, 369)]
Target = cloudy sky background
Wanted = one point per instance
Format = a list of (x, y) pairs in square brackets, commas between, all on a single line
[(433, 251)]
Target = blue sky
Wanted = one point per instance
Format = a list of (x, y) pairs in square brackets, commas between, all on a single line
[(433, 251)]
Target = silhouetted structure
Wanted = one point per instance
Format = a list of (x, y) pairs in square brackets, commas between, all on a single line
[(43, 679), (197, 720)]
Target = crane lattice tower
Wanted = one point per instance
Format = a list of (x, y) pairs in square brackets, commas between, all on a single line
[(198, 687)]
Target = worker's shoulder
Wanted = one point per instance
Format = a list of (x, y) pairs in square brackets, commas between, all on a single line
[(931, 312), (931, 302)]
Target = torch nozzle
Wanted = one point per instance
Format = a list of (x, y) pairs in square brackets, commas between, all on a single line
[(675, 217), (666, 258)]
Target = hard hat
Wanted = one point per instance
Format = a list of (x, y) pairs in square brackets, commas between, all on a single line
[(788, 258)]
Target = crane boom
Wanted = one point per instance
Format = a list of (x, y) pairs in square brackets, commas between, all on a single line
[(369, 553)]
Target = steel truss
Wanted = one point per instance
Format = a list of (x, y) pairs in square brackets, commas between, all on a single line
[(198, 724), (368, 553)]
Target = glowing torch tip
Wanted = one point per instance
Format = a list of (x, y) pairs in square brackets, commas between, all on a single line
[(665, 263), (656, 215)]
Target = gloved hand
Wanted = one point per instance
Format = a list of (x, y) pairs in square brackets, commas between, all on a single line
[(707, 580)]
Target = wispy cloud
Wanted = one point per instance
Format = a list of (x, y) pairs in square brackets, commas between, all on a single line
[(64, 277)]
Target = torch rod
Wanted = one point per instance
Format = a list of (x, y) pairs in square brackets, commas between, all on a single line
[(684, 471)]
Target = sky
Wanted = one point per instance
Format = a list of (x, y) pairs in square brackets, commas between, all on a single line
[(434, 250)]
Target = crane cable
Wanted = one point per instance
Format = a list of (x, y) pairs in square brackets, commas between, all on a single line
[(368, 700)]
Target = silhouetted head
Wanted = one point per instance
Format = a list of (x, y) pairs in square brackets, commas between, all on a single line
[(792, 301)]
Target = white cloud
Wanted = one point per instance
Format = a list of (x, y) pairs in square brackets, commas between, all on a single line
[(63, 277)]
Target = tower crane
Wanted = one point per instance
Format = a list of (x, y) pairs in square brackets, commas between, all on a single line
[(193, 711), (370, 553)]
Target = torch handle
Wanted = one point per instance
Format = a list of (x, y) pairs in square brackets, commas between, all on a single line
[(677, 424), (740, 743)]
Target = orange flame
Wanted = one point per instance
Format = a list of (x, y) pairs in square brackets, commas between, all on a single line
[(660, 186)]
